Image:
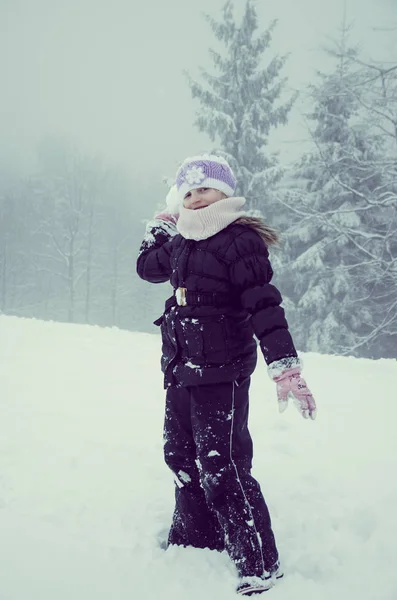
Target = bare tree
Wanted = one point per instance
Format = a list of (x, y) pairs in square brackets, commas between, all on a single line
[(66, 189)]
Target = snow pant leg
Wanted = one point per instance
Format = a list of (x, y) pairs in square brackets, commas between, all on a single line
[(224, 451), (194, 522)]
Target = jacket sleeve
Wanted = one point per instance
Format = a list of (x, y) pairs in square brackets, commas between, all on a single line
[(153, 263), (250, 274)]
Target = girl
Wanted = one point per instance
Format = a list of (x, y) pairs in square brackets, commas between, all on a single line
[(216, 259)]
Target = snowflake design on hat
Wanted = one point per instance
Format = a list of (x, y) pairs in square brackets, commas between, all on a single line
[(195, 175)]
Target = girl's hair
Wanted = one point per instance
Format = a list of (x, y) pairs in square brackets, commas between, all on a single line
[(268, 234)]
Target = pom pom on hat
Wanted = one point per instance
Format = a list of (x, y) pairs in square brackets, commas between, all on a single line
[(173, 201), (206, 170)]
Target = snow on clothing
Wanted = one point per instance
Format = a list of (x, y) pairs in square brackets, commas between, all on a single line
[(208, 354), (218, 504), (227, 278)]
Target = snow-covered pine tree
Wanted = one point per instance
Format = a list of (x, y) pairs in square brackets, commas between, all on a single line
[(240, 105), (377, 98), (331, 262)]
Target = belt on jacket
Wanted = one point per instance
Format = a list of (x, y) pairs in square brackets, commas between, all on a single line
[(183, 297)]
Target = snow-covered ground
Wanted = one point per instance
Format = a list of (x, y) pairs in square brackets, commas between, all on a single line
[(84, 493)]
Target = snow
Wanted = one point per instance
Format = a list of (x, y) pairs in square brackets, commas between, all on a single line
[(85, 496), (213, 453)]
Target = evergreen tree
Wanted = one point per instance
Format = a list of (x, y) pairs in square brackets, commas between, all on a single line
[(241, 105), (377, 98), (336, 244)]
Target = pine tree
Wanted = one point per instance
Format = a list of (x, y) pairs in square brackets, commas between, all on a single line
[(241, 105), (378, 102), (336, 243)]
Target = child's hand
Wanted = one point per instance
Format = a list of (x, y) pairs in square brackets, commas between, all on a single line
[(290, 384)]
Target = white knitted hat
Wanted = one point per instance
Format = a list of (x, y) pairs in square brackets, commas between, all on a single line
[(206, 170)]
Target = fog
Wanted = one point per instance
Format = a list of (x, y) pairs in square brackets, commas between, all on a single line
[(109, 75)]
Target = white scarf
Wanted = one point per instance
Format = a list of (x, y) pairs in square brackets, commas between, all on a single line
[(202, 223)]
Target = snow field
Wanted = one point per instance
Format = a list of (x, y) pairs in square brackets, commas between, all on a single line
[(85, 496)]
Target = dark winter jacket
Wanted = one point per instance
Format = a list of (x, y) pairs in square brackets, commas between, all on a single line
[(227, 277)]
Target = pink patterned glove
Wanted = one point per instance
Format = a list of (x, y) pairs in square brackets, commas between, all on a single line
[(164, 216), (290, 384)]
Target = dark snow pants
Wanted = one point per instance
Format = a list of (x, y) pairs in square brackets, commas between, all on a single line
[(219, 505)]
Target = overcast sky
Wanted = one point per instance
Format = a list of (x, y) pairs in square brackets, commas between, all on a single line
[(109, 73)]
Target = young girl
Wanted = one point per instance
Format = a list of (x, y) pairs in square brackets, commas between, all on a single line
[(216, 259)]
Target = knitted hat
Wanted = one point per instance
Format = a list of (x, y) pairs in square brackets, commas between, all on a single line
[(208, 171)]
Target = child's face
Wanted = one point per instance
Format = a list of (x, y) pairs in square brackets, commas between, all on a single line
[(202, 197)]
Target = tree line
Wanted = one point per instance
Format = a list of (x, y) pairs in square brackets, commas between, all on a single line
[(335, 207), (69, 233)]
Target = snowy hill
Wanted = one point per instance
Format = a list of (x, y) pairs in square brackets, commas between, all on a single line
[(84, 494)]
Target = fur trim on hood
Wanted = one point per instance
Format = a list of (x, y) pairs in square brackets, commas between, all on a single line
[(268, 234)]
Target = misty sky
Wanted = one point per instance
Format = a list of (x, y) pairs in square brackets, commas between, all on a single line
[(108, 74)]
